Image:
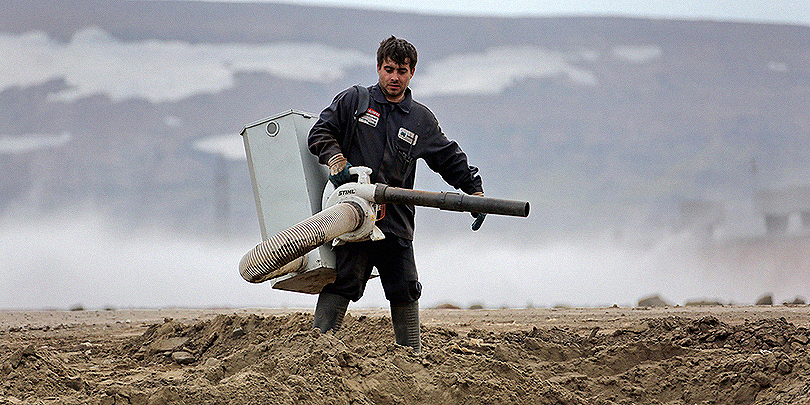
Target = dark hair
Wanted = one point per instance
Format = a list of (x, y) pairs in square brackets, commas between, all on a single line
[(398, 50)]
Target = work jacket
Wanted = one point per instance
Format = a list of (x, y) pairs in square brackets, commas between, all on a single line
[(389, 138)]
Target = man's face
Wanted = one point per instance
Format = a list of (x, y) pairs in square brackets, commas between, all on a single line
[(394, 79)]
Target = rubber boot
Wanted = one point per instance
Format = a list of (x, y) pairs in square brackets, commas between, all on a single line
[(405, 318), (329, 312)]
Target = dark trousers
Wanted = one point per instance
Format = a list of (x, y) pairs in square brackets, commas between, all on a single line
[(394, 260)]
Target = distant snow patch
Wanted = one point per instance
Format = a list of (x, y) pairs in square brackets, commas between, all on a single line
[(589, 55), (94, 62), (172, 121), (229, 146), (499, 68), (13, 145), (777, 67), (637, 54)]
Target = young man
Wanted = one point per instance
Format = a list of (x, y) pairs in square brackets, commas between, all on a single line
[(389, 137)]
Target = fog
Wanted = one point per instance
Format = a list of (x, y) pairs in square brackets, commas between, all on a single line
[(84, 260)]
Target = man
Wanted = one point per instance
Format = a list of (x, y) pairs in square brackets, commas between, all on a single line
[(388, 137)]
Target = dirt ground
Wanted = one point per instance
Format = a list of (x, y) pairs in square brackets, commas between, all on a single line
[(668, 355)]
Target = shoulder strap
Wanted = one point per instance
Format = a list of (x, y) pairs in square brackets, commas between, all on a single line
[(362, 106), (362, 101)]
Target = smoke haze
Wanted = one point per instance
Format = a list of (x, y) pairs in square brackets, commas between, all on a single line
[(83, 259)]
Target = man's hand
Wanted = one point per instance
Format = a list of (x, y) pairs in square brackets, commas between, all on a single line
[(339, 170), (479, 216)]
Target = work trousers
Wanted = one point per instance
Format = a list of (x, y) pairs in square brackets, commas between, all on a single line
[(393, 257)]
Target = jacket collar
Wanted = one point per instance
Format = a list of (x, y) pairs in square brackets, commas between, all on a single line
[(404, 105)]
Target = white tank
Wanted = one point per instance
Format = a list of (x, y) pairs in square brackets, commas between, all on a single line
[(288, 185)]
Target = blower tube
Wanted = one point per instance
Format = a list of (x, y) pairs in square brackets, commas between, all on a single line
[(450, 201), (277, 256)]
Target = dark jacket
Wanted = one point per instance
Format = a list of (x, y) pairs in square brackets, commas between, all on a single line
[(389, 139)]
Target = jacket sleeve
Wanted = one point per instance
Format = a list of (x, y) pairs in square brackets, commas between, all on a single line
[(327, 135), (444, 156)]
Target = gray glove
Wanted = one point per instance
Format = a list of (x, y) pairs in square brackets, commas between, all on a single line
[(479, 216), (479, 220)]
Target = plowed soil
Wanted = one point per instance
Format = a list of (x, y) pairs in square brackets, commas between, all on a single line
[(670, 355)]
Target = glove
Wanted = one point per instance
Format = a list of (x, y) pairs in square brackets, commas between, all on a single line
[(479, 216), (479, 220), (339, 170)]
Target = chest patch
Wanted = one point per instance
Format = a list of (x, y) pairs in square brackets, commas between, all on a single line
[(370, 118), (407, 136)]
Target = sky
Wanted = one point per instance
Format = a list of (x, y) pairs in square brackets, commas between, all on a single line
[(95, 62), (774, 11)]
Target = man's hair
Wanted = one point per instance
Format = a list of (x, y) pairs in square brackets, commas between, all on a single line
[(398, 50)]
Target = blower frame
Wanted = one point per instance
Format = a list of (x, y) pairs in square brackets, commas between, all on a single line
[(349, 216)]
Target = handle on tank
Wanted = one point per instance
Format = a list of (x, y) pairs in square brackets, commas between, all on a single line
[(450, 201)]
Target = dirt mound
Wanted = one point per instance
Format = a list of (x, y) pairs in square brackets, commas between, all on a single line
[(40, 373), (233, 359)]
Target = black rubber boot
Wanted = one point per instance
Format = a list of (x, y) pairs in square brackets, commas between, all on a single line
[(405, 318), (329, 312)]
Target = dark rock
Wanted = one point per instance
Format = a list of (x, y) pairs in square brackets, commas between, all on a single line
[(75, 383), (766, 299), (784, 367), (762, 379), (653, 301)]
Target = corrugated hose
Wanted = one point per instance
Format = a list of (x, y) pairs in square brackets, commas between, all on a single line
[(285, 252)]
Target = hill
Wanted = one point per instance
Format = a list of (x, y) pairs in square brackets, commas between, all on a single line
[(598, 122)]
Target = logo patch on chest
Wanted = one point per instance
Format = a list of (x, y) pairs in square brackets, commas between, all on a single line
[(407, 136), (370, 118)]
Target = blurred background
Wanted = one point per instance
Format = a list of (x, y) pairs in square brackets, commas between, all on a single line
[(665, 149)]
